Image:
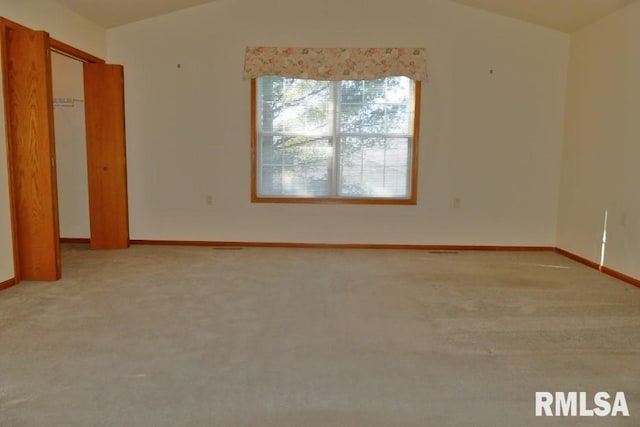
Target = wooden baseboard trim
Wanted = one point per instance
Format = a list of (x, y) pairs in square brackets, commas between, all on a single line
[(75, 240), (577, 258), (341, 246), (7, 284), (606, 270), (620, 276)]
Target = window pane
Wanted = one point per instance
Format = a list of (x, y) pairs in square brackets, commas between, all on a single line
[(376, 106), (294, 105), (295, 166), (374, 167)]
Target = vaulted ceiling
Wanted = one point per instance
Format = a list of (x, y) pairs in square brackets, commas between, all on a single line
[(113, 13), (563, 15)]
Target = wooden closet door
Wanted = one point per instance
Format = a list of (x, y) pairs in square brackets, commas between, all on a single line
[(32, 154), (106, 156)]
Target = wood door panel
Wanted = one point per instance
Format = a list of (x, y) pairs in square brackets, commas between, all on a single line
[(106, 156), (31, 137)]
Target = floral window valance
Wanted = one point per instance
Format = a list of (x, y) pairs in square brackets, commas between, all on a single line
[(335, 63)]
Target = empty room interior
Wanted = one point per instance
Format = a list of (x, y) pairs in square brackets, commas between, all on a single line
[(338, 213)]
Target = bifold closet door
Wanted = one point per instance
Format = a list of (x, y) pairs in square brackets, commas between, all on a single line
[(32, 154), (106, 156)]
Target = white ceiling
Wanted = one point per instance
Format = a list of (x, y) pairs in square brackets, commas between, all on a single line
[(563, 15), (113, 13)]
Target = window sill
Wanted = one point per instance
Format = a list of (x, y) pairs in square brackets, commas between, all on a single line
[(335, 201)]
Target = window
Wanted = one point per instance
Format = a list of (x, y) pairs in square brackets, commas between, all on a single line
[(351, 141)]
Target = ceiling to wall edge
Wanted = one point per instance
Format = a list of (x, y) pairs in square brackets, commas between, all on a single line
[(566, 16)]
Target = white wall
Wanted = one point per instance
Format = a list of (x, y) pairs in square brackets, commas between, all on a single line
[(67, 27), (71, 147), (493, 140), (61, 23), (6, 242), (601, 152)]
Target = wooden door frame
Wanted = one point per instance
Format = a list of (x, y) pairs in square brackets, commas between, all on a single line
[(57, 46)]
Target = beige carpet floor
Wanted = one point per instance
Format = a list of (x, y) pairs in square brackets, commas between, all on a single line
[(188, 336)]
